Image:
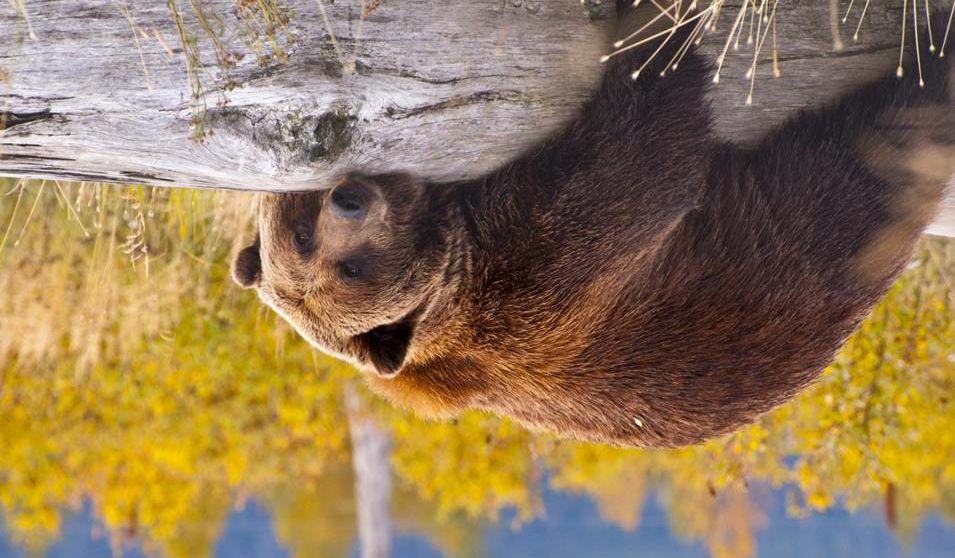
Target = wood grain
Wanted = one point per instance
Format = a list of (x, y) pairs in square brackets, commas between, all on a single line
[(447, 89)]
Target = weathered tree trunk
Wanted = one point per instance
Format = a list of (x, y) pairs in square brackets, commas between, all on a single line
[(447, 89), (114, 90)]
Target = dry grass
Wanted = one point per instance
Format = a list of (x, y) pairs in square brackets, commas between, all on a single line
[(94, 270), (263, 28), (756, 19)]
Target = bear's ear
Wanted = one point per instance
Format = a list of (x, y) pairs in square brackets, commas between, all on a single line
[(385, 347), (247, 267)]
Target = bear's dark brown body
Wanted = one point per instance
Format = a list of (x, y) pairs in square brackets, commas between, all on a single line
[(632, 280)]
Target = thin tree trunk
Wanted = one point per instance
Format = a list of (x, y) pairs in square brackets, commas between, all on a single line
[(371, 447)]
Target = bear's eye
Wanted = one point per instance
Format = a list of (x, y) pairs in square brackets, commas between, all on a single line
[(349, 270), (302, 238)]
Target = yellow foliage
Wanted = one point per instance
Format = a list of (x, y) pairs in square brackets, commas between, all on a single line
[(141, 379), (477, 464)]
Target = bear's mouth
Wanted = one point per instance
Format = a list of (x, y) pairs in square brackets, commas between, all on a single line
[(385, 347)]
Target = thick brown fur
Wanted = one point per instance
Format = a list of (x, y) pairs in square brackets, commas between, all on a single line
[(631, 280)]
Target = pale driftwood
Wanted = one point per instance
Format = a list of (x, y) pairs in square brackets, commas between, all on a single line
[(445, 89), (448, 89)]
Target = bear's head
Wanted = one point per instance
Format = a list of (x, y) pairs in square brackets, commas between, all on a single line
[(352, 268)]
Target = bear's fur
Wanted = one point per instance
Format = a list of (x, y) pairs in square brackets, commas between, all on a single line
[(632, 280)]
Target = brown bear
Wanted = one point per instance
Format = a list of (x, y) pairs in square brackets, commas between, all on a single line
[(632, 280)]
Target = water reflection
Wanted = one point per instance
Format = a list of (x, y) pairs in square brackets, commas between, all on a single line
[(148, 406), (572, 528)]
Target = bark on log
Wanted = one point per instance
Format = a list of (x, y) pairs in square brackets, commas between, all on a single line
[(448, 89), (444, 89)]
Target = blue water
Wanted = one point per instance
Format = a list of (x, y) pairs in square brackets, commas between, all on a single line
[(572, 528)]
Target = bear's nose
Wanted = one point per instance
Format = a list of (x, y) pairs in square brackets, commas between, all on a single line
[(348, 202)]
